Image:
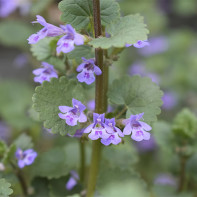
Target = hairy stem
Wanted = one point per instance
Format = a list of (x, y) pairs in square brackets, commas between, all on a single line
[(100, 100), (82, 167)]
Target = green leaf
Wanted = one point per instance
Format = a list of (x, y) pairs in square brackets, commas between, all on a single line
[(14, 33), (127, 30), (79, 13), (24, 142), (3, 148), (138, 95), (9, 154), (81, 51), (15, 100), (5, 189), (53, 94), (51, 164), (58, 63), (122, 155), (185, 124), (116, 182), (42, 50)]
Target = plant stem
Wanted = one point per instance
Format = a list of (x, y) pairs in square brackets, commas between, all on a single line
[(82, 154), (121, 112), (21, 179), (100, 100), (182, 174)]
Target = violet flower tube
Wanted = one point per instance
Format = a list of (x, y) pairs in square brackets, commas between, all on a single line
[(88, 69), (48, 30), (45, 73), (73, 114), (137, 128), (26, 157)]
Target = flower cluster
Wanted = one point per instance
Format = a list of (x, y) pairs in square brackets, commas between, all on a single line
[(88, 69), (26, 157), (65, 43), (45, 73), (103, 128)]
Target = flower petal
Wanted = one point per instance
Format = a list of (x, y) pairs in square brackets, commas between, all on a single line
[(145, 126), (89, 128), (127, 130)]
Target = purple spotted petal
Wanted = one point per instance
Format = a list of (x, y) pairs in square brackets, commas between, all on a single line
[(141, 44), (65, 109)]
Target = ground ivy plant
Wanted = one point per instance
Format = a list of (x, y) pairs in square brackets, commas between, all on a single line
[(76, 58), (70, 69)]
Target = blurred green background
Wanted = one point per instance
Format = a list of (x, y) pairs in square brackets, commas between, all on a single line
[(170, 60)]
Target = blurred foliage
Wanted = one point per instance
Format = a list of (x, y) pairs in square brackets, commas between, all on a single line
[(125, 169)]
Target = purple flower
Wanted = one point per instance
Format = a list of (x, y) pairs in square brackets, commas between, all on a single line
[(169, 100), (73, 114), (87, 69), (139, 44), (115, 135), (91, 106), (138, 128), (26, 157), (98, 129), (44, 74), (7, 7), (157, 45), (72, 181), (165, 179), (48, 30), (67, 42)]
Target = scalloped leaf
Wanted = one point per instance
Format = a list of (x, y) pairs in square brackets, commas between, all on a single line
[(51, 164), (79, 13), (42, 50), (5, 189), (128, 30), (81, 51), (116, 182), (50, 95), (123, 156), (138, 95)]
